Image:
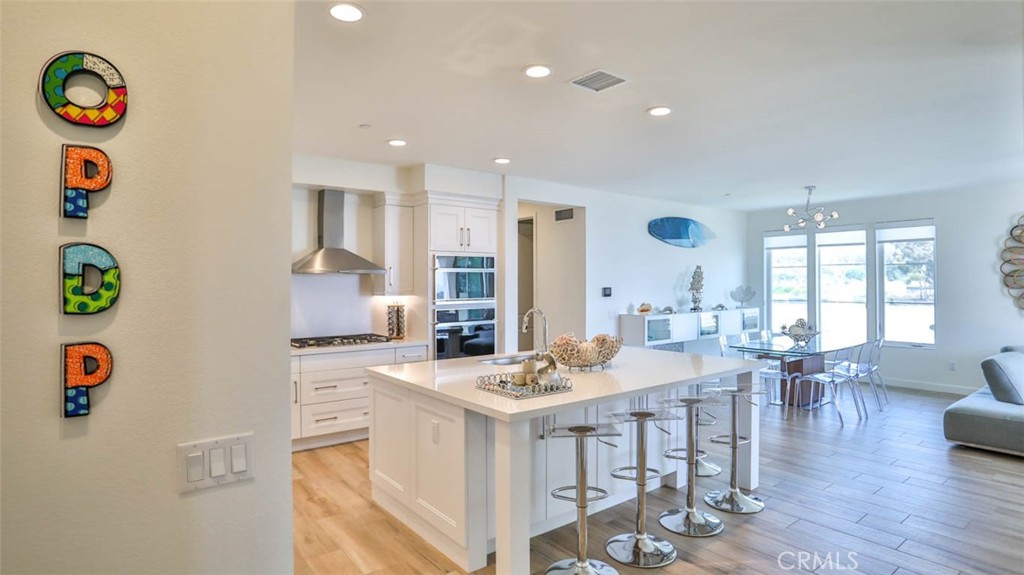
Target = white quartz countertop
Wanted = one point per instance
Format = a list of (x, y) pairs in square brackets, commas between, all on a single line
[(633, 371), (359, 347)]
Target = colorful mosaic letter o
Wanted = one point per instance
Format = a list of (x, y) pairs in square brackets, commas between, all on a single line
[(79, 299), (63, 66), (77, 183), (85, 365)]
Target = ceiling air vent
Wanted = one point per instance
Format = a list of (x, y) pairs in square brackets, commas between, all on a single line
[(562, 215), (598, 81)]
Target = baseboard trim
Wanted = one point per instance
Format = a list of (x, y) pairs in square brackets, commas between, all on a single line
[(960, 390), (329, 439)]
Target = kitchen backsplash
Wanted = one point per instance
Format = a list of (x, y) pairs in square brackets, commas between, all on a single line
[(331, 304)]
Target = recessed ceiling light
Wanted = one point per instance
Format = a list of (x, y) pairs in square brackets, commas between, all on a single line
[(397, 143), (347, 12), (659, 111), (537, 71), (502, 161)]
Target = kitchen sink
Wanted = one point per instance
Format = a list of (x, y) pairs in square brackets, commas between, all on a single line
[(508, 359)]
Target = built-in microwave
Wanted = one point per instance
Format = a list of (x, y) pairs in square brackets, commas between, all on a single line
[(463, 278), (464, 331)]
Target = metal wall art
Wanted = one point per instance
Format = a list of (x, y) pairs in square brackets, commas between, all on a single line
[(67, 64), (86, 365), (76, 162), (679, 232), (1012, 266), (78, 297)]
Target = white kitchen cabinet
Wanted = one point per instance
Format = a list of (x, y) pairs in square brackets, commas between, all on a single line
[(296, 407), (393, 248), (330, 392), (463, 229)]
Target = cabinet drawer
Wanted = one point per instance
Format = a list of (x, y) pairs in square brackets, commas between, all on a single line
[(322, 386), (345, 360), (335, 416), (410, 354)]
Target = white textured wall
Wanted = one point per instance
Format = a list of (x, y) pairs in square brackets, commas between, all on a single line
[(974, 316), (198, 218)]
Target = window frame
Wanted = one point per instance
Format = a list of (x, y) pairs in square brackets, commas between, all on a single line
[(880, 279)]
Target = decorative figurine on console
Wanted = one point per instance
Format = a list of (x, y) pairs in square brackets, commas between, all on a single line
[(696, 288)]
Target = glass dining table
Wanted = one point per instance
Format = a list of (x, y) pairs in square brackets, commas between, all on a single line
[(797, 359)]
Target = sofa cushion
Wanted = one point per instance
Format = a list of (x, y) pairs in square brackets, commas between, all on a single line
[(1017, 348), (981, 421), (1004, 373)]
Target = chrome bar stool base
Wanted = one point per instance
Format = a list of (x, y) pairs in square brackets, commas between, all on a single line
[(691, 523), (574, 567), (734, 501), (646, 551), (705, 469)]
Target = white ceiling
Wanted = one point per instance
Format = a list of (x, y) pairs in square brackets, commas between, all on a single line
[(861, 99)]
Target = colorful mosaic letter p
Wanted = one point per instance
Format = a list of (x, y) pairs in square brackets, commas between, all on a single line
[(79, 298), (85, 365), (77, 183)]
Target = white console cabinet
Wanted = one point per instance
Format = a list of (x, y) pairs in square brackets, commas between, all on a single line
[(330, 392), (659, 329)]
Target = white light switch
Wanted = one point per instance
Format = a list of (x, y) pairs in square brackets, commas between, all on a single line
[(217, 462), (203, 464), (194, 466), (238, 461)]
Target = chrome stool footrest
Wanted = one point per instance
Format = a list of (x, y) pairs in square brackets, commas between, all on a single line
[(726, 439), (559, 492), (680, 453), (620, 473)]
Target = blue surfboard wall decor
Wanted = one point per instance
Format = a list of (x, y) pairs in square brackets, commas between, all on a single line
[(680, 232)]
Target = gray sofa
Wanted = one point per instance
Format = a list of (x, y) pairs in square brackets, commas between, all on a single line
[(992, 417)]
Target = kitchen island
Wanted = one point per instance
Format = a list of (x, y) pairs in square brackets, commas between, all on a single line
[(434, 438)]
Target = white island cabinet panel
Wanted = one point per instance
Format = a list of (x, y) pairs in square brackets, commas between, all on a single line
[(438, 461), (389, 450)]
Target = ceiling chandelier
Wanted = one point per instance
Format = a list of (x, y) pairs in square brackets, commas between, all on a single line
[(817, 215)]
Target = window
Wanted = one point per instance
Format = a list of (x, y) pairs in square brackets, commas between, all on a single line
[(906, 256), (843, 282), (786, 266)]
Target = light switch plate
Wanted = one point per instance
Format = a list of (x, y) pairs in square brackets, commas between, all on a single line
[(235, 445)]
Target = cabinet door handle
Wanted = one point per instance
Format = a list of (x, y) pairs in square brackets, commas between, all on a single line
[(391, 277), (366, 413), (461, 231), (325, 387), (412, 355), (366, 383), (295, 387), (335, 418), (469, 238)]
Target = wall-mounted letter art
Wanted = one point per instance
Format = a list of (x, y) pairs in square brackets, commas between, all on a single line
[(680, 232), (77, 183), (63, 66), (78, 297), (85, 365)]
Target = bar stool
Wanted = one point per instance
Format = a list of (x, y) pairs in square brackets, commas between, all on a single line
[(581, 495), (689, 521), (640, 549), (733, 500)]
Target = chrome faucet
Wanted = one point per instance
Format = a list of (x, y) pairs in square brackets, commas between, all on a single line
[(526, 326)]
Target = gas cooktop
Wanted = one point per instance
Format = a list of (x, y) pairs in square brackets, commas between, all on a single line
[(333, 340)]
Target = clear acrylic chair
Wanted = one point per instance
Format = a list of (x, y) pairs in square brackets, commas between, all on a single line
[(833, 378)]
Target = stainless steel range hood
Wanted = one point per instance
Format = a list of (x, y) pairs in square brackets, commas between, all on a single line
[(330, 256)]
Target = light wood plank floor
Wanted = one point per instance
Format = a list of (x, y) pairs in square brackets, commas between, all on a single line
[(889, 489)]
